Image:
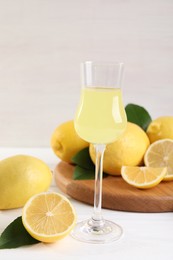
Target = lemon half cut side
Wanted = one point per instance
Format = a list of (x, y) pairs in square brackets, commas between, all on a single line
[(160, 154), (48, 216)]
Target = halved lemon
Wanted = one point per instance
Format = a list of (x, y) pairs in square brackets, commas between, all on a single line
[(48, 216), (143, 177), (160, 154)]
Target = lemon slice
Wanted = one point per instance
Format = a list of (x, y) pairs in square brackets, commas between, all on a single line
[(160, 154), (143, 177), (48, 216)]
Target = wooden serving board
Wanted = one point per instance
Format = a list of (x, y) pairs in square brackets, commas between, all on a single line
[(117, 194)]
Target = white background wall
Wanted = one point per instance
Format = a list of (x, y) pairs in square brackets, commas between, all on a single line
[(42, 43)]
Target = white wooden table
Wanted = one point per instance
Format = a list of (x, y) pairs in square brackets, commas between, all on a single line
[(146, 235)]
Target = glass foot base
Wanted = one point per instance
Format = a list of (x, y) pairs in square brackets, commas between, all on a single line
[(107, 232)]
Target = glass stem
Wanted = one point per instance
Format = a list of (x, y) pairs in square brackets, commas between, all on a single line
[(97, 219)]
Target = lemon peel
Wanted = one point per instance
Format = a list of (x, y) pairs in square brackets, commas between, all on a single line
[(65, 142), (160, 128), (128, 150)]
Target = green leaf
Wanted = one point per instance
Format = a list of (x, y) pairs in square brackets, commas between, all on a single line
[(138, 115), (83, 174), (83, 159), (85, 168), (15, 235)]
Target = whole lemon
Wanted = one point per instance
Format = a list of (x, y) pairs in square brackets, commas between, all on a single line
[(65, 142), (160, 128), (21, 177), (128, 150)]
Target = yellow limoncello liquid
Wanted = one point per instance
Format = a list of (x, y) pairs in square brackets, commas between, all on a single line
[(100, 118)]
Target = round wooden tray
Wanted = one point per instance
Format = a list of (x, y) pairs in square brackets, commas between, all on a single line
[(117, 194)]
